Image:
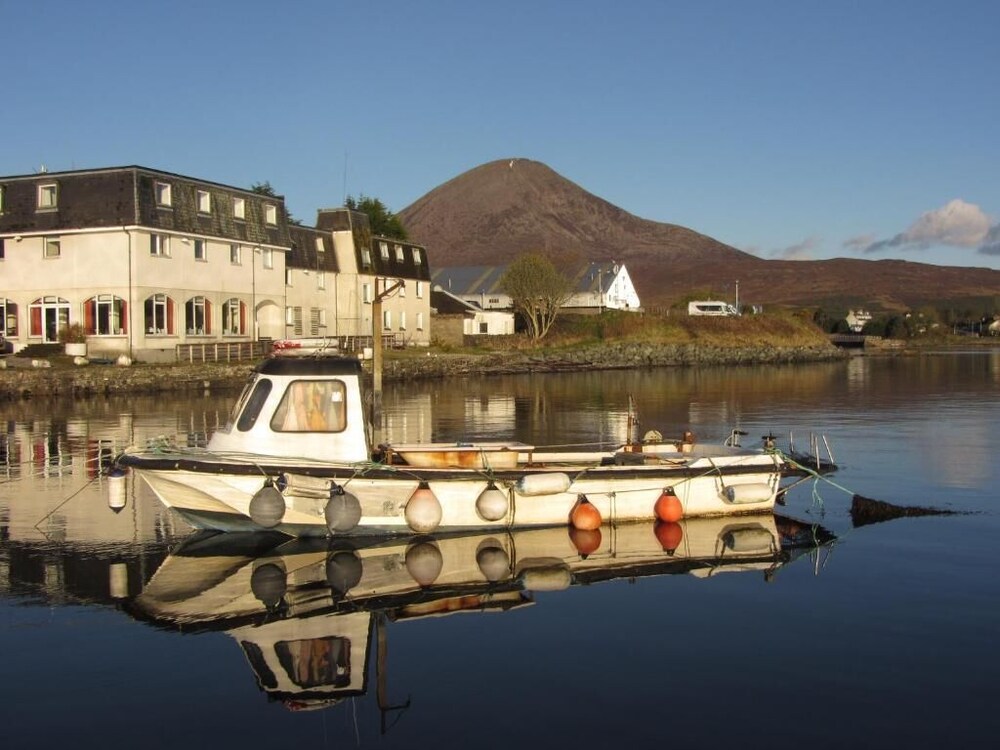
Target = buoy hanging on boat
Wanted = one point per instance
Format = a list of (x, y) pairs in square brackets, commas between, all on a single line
[(492, 504), (423, 510), (117, 494), (342, 511), (267, 506), (493, 560), (269, 583), (586, 541), (343, 571), (550, 483), (585, 515), (668, 506), (424, 562), (669, 534)]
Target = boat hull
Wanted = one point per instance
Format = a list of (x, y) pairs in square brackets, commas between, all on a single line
[(217, 494)]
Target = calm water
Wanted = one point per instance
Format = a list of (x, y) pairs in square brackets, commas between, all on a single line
[(129, 630)]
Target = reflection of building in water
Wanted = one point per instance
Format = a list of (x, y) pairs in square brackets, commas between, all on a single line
[(56, 486), (407, 418), (858, 374)]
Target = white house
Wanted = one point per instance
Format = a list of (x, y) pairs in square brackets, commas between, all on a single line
[(595, 287), (147, 261)]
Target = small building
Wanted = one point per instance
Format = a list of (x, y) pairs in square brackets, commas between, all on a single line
[(856, 319), (455, 319)]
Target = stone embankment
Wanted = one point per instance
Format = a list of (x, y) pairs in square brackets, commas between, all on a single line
[(66, 380)]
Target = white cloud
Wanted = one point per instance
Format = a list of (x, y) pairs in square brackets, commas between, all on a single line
[(956, 224), (799, 251), (991, 243), (860, 242)]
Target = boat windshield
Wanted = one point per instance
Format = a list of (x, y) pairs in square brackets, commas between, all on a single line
[(312, 406)]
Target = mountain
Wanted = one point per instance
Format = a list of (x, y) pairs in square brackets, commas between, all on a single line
[(494, 212)]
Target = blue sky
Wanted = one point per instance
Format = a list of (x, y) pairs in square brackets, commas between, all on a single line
[(794, 129)]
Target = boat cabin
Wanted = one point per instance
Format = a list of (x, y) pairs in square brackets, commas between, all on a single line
[(306, 407)]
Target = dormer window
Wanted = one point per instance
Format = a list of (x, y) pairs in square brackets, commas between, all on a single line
[(239, 208), (163, 196), (366, 258), (399, 253), (270, 214), (383, 248), (204, 202), (320, 247), (416, 256), (48, 196)]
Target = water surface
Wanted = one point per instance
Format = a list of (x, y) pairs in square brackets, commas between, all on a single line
[(884, 637)]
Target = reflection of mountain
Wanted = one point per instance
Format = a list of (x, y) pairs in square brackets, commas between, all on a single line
[(305, 611)]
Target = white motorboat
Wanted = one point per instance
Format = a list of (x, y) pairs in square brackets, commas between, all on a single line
[(296, 456)]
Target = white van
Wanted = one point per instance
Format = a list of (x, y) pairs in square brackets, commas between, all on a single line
[(711, 307)]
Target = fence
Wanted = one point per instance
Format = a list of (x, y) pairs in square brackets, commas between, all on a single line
[(224, 351)]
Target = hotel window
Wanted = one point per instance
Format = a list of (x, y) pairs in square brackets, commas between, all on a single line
[(48, 196), (104, 315), (8, 317), (270, 214), (383, 248), (235, 254), (198, 316), (399, 253), (321, 280), (420, 321), (386, 320), (366, 293), (366, 258), (158, 315), (320, 247), (297, 321), (402, 320), (53, 247), (234, 317), (267, 257), (288, 277), (159, 245), (315, 315), (416, 256), (200, 250), (239, 208), (163, 197), (420, 290), (204, 202)]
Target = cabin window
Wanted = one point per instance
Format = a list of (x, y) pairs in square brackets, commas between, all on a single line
[(312, 406), (254, 404)]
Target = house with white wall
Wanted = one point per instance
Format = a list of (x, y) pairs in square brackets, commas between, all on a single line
[(596, 286), (147, 260)]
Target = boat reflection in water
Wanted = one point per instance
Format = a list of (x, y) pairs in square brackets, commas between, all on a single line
[(305, 611)]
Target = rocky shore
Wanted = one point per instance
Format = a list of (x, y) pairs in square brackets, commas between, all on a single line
[(66, 380)]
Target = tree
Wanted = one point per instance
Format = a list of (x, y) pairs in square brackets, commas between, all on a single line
[(538, 291), (264, 188), (384, 223)]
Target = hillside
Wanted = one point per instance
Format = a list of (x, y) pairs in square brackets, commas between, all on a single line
[(496, 211)]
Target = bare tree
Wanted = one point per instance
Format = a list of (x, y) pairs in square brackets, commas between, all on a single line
[(538, 291)]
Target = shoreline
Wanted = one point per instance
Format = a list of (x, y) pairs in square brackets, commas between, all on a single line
[(70, 381), (65, 380)]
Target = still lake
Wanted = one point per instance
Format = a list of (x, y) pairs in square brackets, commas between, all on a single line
[(128, 629)]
